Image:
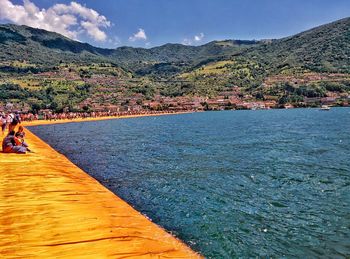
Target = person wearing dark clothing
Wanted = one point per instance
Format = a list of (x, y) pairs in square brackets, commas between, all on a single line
[(15, 120)]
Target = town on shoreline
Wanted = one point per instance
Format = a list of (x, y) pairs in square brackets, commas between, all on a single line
[(111, 94), (309, 69)]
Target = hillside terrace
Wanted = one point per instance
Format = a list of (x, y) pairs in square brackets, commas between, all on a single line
[(306, 78)]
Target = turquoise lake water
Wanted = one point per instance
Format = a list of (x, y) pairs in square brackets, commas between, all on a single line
[(230, 184)]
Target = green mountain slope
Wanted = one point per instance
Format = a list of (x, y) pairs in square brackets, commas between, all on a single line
[(322, 49), (325, 48), (311, 64), (43, 47)]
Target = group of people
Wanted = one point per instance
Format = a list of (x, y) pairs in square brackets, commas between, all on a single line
[(84, 115), (10, 121), (14, 141)]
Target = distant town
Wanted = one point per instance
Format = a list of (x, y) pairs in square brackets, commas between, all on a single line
[(115, 92)]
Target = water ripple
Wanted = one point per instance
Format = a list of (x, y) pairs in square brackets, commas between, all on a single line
[(230, 184)]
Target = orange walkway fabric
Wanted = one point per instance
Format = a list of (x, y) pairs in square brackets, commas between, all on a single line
[(50, 122), (49, 208)]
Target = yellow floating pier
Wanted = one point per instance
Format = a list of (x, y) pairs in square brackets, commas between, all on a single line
[(49, 208)]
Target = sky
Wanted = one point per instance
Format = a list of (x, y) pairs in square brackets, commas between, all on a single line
[(150, 23)]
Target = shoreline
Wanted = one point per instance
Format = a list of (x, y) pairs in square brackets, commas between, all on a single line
[(62, 121), (51, 208)]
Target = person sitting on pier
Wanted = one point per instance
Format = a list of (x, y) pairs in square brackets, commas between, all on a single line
[(19, 138), (21, 132), (9, 144)]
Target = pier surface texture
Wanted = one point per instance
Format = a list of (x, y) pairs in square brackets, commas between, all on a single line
[(50, 208)]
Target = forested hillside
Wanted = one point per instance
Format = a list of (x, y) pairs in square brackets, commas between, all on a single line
[(44, 69)]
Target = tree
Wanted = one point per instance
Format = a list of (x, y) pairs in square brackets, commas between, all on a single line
[(283, 99), (53, 106)]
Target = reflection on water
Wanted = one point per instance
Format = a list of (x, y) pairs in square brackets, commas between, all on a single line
[(236, 183)]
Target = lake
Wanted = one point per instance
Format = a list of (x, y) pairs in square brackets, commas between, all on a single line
[(229, 184)]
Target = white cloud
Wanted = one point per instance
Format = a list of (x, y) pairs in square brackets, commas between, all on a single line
[(94, 31), (140, 35), (196, 39), (199, 37), (70, 20)]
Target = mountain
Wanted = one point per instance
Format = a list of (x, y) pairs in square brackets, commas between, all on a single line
[(323, 49), (38, 46), (43, 47), (45, 69)]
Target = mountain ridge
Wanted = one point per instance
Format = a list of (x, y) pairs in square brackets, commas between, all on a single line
[(22, 34), (44, 47), (45, 69)]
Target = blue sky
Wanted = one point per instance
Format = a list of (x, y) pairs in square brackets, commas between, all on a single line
[(156, 22)]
